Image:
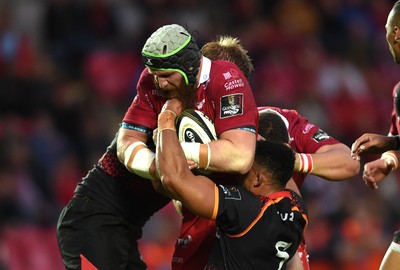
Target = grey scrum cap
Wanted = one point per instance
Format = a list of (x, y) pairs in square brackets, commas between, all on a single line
[(171, 47)]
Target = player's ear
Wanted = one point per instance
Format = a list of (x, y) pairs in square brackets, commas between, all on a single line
[(257, 180), (397, 33)]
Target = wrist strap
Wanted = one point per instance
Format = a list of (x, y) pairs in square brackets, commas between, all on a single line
[(390, 159), (395, 247), (138, 159), (306, 163), (199, 153), (166, 120)]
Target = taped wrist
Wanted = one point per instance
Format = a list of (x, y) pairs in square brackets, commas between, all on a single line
[(395, 247), (138, 159), (199, 153), (390, 160), (166, 120), (305, 163)]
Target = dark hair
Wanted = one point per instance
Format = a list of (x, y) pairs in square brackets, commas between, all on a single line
[(229, 48), (272, 127), (277, 159)]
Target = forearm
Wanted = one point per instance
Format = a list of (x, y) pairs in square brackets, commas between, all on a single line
[(226, 157), (134, 154), (233, 152), (332, 163), (197, 193), (171, 161)]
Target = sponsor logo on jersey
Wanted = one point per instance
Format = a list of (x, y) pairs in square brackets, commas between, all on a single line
[(320, 135), (200, 104), (307, 128), (231, 105), (177, 259), (233, 80), (231, 74), (184, 242), (231, 193), (234, 84)]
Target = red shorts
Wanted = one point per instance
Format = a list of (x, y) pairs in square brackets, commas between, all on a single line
[(195, 241)]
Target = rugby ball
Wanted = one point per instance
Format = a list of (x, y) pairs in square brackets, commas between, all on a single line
[(194, 126)]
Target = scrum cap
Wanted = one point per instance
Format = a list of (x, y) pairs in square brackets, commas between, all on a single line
[(171, 47)]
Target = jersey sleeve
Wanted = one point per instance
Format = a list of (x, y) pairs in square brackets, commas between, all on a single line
[(141, 113), (233, 98), (307, 137), (237, 208)]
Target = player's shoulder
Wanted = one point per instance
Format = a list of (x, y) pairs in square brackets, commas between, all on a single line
[(146, 80), (293, 118), (222, 64), (297, 201), (283, 111), (225, 69)]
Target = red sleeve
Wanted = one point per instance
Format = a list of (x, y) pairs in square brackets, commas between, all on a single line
[(234, 102), (308, 138), (144, 107), (305, 137)]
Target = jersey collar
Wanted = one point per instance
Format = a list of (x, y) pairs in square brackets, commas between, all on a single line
[(205, 70)]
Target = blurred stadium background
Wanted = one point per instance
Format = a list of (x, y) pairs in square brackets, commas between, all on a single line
[(68, 70)]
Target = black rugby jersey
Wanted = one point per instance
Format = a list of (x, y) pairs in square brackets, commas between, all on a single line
[(257, 232)]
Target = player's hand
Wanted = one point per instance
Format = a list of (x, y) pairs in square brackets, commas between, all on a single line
[(374, 172), (260, 138), (192, 165), (372, 144), (178, 206), (155, 136), (173, 105)]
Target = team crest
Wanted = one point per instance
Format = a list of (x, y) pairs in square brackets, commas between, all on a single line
[(231, 105)]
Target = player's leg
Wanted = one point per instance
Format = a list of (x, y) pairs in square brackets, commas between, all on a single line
[(300, 259), (391, 260), (90, 233)]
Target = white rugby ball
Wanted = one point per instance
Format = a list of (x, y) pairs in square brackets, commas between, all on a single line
[(195, 126)]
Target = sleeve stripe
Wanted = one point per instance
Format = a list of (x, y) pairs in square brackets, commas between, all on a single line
[(256, 219), (216, 203)]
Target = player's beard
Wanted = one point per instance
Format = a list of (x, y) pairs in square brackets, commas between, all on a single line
[(186, 94)]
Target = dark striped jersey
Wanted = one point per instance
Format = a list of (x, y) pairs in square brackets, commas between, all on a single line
[(256, 232)]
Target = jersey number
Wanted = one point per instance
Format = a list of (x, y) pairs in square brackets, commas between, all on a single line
[(280, 247)]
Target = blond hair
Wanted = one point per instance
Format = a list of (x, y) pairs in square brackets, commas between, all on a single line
[(230, 49)]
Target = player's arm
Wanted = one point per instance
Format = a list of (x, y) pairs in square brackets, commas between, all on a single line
[(233, 152), (197, 193), (332, 162), (377, 170), (374, 144), (134, 153)]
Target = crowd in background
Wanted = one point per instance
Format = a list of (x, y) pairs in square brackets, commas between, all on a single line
[(68, 70)]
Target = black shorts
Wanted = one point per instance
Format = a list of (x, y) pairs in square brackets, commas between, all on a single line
[(104, 237)]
